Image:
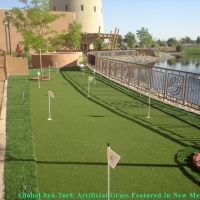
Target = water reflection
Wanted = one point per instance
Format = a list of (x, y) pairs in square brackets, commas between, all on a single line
[(189, 63)]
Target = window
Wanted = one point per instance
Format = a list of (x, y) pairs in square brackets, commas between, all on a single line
[(54, 8), (66, 8), (82, 8), (94, 8)]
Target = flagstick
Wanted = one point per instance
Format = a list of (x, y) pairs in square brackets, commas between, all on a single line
[(88, 88), (149, 107), (56, 67), (49, 71), (49, 109), (94, 79), (23, 96), (38, 81), (108, 149)]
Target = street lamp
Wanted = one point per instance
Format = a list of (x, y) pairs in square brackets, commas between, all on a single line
[(6, 24), (86, 41), (8, 14)]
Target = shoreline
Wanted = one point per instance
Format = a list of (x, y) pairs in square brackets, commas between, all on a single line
[(146, 59)]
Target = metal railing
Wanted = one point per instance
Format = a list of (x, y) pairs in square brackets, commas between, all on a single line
[(178, 87)]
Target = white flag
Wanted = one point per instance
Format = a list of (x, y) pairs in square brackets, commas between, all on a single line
[(112, 157), (50, 94), (90, 78), (38, 73)]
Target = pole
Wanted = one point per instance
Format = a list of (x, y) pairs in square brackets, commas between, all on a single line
[(6, 38), (56, 67), (108, 152), (149, 107), (94, 77), (88, 88), (23, 96), (49, 71), (49, 109), (9, 36), (38, 80)]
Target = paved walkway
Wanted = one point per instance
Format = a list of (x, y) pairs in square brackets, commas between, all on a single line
[(2, 138)]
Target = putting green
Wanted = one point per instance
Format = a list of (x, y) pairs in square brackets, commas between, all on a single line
[(71, 149)]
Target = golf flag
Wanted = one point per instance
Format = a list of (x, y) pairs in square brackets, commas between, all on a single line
[(38, 73), (112, 157), (90, 78), (50, 94)]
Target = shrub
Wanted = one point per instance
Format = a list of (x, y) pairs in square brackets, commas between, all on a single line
[(137, 53), (179, 48)]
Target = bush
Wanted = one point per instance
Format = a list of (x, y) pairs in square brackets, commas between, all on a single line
[(122, 47), (136, 46), (179, 48), (137, 53)]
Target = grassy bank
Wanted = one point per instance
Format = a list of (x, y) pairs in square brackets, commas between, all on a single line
[(20, 152), (192, 50)]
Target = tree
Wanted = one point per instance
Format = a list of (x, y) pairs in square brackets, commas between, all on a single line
[(186, 40), (99, 44), (179, 48), (129, 38), (34, 25), (145, 38), (172, 42), (198, 40), (74, 34)]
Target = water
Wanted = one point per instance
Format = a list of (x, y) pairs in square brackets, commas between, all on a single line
[(189, 63)]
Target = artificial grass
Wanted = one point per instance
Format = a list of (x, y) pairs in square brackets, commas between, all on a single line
[(71, 149), (181, 114), (20, 153)]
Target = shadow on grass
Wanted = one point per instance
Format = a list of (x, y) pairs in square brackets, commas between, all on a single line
[(119, 112)]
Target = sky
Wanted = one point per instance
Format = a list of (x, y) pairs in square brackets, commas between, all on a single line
[(164, 19)]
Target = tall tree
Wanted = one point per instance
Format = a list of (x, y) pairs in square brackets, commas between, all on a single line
[(145, 38), (198, 40), (172, 42), (74, 34), (129, 38), (34, 25)]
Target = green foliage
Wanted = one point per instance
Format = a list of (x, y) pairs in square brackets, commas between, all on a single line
[(186, 40), (137, 53), (161, 43), (129, 38), (34, 24), (179, 48), (99, 44), (74, 34), (198, 40), (122, 46), (184, 159), (145, 38), (172, 42), (84, 61)]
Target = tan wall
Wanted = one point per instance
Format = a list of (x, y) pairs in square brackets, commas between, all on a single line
[(64, 59), (60, 24), (148, 52), (88, 18), (17, 65), (3, 70)]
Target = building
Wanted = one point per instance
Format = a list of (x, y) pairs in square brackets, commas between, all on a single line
[(87, 12)]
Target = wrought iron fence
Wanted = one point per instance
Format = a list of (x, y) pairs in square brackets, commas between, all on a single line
[(179, 87)]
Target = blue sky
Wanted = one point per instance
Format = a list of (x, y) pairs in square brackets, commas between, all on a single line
[(163, 18)]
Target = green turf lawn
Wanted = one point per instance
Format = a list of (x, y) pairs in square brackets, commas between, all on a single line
[(192, 49), (71, 149)]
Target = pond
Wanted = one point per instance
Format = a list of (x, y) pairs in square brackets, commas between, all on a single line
[(189, 63)]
